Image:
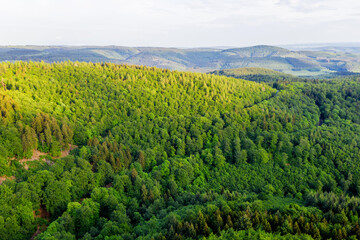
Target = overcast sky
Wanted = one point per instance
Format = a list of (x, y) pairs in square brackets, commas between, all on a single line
[(178, 23)]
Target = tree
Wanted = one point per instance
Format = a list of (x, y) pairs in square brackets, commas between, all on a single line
[(141, 159), (29, 141), (56, 197), (237, 151), (55, 149)]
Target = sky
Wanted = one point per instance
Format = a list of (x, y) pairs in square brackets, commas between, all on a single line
[(178, 23)]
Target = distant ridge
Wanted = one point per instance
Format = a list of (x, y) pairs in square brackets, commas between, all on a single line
[(299, 63)]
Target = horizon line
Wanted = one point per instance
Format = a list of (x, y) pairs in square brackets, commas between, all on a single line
[(318, 44)]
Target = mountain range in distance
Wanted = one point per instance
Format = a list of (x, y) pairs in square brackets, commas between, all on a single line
[(299, 60)]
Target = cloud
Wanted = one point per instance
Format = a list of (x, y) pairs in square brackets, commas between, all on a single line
[(177, 22)]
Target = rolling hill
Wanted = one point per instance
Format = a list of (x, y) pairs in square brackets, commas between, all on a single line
[(166, 154)]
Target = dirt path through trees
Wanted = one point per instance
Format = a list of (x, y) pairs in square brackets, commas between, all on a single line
[(36, 156)]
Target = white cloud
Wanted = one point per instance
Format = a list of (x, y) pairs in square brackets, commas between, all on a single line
[(178, 22)]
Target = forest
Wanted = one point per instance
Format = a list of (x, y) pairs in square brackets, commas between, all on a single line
[(159, 154)]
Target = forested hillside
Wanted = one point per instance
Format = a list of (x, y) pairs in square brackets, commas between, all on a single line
[(256, 74), (160, 154)]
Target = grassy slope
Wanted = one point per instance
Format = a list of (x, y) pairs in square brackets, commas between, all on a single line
[(256, 74), (253, 71)]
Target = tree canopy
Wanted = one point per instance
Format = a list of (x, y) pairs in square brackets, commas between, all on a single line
[(174, 155)]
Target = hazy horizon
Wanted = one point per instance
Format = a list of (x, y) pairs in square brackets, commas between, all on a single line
[(299, 45), (179, 24)]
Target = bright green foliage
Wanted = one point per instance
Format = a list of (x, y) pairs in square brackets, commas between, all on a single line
[(173, 155)]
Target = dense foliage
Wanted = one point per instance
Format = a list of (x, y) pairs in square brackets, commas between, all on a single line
[(174, 155)]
